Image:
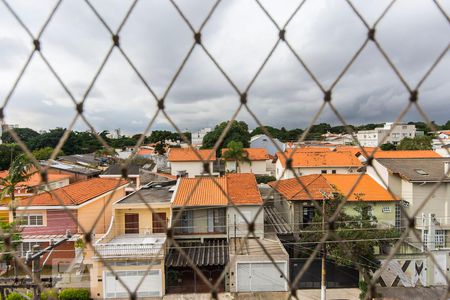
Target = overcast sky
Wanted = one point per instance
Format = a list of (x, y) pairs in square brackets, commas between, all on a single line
[(324, 33)]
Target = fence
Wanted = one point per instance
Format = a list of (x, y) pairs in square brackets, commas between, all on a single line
[(243, 100)]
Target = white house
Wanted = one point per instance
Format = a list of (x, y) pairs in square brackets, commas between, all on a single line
[(376, 137), (415, 180), (184, 162), (258, 162), (323, 162)]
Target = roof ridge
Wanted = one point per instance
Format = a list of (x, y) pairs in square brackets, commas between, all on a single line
[(305, 186)]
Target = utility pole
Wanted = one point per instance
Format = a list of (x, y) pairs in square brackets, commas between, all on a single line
[(36, 272), (323, 288)]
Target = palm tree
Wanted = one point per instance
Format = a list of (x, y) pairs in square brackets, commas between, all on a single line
[(20, 170), (235, 151)]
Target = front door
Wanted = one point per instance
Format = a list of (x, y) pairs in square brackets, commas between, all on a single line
[(159, 222), (131, 223)]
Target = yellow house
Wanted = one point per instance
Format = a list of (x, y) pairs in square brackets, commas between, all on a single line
[(134, 246)]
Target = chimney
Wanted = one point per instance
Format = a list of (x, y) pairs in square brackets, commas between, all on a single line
[(447, 168)]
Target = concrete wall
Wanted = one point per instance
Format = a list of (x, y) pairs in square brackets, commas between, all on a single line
[(193, 168), (241, 226), (387, 217), (256, 167), (145, 219)]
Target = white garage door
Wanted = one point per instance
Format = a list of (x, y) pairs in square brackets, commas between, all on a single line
[(253, 277), (150, 287)]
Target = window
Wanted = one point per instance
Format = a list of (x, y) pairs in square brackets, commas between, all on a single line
[(32, 220), (323, 171), (439, 238), (386, 209), (25, 247), (333, 171), (398, 216)]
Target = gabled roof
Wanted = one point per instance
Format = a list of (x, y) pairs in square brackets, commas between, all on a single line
[(36, 179), (117, 170), (253, 154), (322, 185), (241, 188), (417, 169), (407, 154), (187, 154), (321, 159), (74, 194)]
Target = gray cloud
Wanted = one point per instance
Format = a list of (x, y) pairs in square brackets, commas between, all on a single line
[(239, 36)]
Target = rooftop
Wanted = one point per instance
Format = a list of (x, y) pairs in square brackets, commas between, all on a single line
[(154, 192), (36, 178), (187, 154), (253, 153), (71, 168), (406, 154), (250, 247), (324, 158), (320, 186), (420, 170), (241, 188), (117, 170), (74, 194)]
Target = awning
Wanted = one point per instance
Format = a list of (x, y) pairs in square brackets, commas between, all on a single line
[(272, 217), (48, 237), (208, 253)]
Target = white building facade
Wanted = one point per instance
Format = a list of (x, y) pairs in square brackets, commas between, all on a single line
[(377, 136)]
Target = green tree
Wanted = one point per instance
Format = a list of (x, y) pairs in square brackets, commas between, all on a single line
[(446, 126), (388, 147), (45, 153), (19, 171), (235, 152), (417, 143), (238, 132), (8, 152), (10, 236), (358, 233), (316, 131), (25, 135), (160, 149)]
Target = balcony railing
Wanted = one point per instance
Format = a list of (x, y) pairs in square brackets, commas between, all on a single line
[(129, 250)]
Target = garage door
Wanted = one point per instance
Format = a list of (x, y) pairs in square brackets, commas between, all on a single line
[(150, 287), (253, 277)]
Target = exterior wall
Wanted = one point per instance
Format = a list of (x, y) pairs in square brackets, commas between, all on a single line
[(145, 219), (383, 175), (285, 208), (258, 167), (373, 138), (264, 141), (192, 168), (308, 171), (241, 226), (199, 224), (279, 171), (96, 274), (437, 204), (56, 221), (74, 177), (88, 214), (383, 218)]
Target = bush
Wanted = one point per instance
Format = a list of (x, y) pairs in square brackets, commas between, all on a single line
[(17, 296), (265, 179), (74, 294), (49, 295)]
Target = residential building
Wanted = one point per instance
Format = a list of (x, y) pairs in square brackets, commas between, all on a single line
[(423, 184), (80, 207), (32, 186), (186, 162), (134, 245), (76, 172), (197, 136), (337, 138), (382, 135), (294, 201), (263, 141), (257, 161), (323, 162), (133, 175)]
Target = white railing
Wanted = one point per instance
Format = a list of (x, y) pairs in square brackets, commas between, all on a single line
[(129, 250)]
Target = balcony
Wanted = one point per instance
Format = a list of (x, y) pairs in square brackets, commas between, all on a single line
[(132, 245)]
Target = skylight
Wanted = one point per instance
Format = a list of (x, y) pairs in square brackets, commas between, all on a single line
[(421, 172)]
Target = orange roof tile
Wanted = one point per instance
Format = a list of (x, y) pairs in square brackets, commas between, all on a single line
[(407, 154), (74, 194), (145, 151), (36, 179), (367, 188), (321, 159), (241, 189), (253, 153), (187, 154)]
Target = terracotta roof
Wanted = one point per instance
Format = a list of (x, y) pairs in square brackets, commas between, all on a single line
[(446, 132), (187, 154), (321, 159), (145, 151), (367, 189), (253, 153), (36, 178), (407, 154), (241, 188), (74, 194)]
